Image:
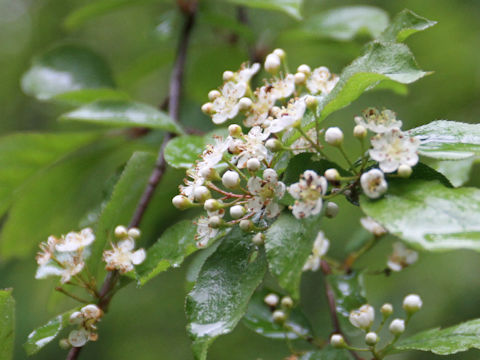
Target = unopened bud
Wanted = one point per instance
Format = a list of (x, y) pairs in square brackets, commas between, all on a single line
[(258, 239), (91, 311), (331, 210), (245, 104), (230, 179), (181, 202), (404, 171), (279, 316), (246, 225), (412, 303), (64, 344), (300, 78), (207, 108), (201, 193), (134, 232), (272, 63), (228, 75), (274, 145), (270, 175), (304, 69), (213, 94), (235, 130), (212, 205), (121, 231), (311, 102), (280, 53), (397, 326), (337, 341), (215, 221), (237, 211), (386, 310), (332, 175), (287, 302), (253, 164), (360, 132), (371, 338), (334, 136), (271, 300)]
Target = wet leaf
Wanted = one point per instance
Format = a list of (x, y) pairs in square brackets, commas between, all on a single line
[(7, 324)]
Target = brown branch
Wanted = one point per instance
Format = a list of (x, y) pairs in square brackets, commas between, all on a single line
[(189, 9)]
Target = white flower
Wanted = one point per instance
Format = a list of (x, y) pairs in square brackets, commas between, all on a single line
[(46, 250), (192, 182), (288, 117), (226, 106), (91, 311), (321, 81), (283, 88), (211, 156), (308, 194), (320, 248), (261, 107), (264, 192), (74, 241), (394, 148), (372, 226), (373, 183), (204, 231), (379, 122), (122, 257), (252, 147), (302, 145), (363, 317), (71, 264), (246, 73), (401, 257)]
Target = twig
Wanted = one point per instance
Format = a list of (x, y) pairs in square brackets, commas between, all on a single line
[(189, 10)]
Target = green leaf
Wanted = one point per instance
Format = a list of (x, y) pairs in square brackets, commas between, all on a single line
[(259, 319), (447, 341), (349, 291), (85, 96), (7, 324), (25, 155), (458, 171), (47, 333), (125, 197), (327, 353), (66, 68), (225, 284), (122, 113), (197, 263), (288, 243), (345, 23), (428, 215), (448, 140), (425, 172), (404, 24), (176, 243), (182, 152), (289, 7), (380, 62)]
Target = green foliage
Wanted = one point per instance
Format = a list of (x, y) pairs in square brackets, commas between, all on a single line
[(223, 289), (447, 341), (182, 152), (456, 171), (345, 23), (45, 334), (290, 7), (349, 291), (328, 353), (259, 319), (405, 24), (122, 113), (7, 324), (66, 68), (176, 243), (448, 140), (85, 96), (428, 215), (288, 243)]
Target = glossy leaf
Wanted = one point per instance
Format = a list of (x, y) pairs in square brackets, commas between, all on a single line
[(456, 171), (345, 23), (24, 156), (47, 333), (7, 324), (176, 243), (405, 24), (196, 264), (428, 215), (182, 152), (288, 243), (221, 294), (122, 203), (349, 291), (85, 96), (122, 113), (448, 140), (66, 68), (447, 341), (259, 319), (290, 7), (327, 353)]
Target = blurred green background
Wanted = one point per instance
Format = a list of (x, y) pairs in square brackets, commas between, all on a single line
[(139, 42)]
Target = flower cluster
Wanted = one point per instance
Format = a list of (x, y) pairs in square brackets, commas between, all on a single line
[(280, 308), (122, 256), (86, 319)]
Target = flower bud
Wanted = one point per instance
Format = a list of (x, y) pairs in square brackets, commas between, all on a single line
[(280, 53), (331, 210), (253, 164), (212, 205), (207, 108), (91, 311), (245, 104), (64, 344), (412, 303), (304, 69), (337, 341), (78, 338), (181, 202), (246, 225), (279, 316), (228, 75), (276, 111), (215, 221), (76, 317), (360, 132), (300, 78), (386, 310), (230, 179), (258, 239), (332, 175), (272, 63), (274, 145), (121, 231), (270, 175), (209, 173), (235, 131), (334, 136), (363, 317), (271, 300), (237, 211), (287, 302), (134, 232), (311, 102), (397, 326), (201, 193), (213, 94), (371, 338), (404, 171)]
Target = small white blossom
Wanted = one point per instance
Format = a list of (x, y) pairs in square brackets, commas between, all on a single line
[(308, 194), (397, 326), (204, 231), (288, 117), (283, 88), (74, 241), (226, 106), (371, 338), (379, 122), (320, 248), (78, 338), (334, 136), (363, 317), (321, 81), (394, 148), (412, 303), (91, 311), (246, 72), (272, 63), (252, 147), (401, 257), (372, 226), (264, 192), (337, 341), (373, 183), (260, 109), (211, 156), (271, 299), (122, 257), (302, 145), (192, 182)]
